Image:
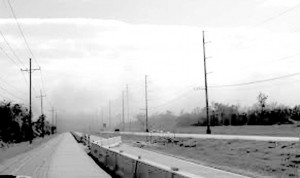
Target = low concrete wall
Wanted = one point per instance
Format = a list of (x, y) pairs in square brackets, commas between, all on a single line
[(114, 141), (124, 165), (213, 136)]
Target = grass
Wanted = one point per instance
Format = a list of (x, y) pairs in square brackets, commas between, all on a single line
[(253, 158), (272, 130), (15, 149)]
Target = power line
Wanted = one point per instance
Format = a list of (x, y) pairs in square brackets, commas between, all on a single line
[(279, 14), (45, 91), (172, 103), (12, 94), (273, 61), (23, 35), (11, 59), (21, 31), (11, 86), (275, 16), (286, 57), (25, 78), (11, 49), (254, 82), (42, 80), (181, 96)]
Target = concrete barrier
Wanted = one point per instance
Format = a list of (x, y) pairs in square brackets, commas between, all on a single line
[(124, 165), (114, 141)]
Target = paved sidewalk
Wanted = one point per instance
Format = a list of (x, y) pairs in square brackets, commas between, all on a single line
[(70, 160), (60, 157), (34, 163)]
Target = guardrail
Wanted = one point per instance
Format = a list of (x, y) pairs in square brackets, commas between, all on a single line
[(125, 165)]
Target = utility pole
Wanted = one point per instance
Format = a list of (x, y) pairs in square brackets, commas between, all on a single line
[(30, 70), (53, 124), (52, 111), (128, 115), (41, 96), (56, 120), (123, 112), (146, 102), (208, 131), (109, 113), (42, 112), (102, 117)]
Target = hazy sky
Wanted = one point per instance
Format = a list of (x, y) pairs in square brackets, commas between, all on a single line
[(90, 49)]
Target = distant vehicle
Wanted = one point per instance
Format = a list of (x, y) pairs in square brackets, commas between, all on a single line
[(117, 130)]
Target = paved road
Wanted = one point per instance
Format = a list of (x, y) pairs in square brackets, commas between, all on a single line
[(61, 156), (213, 136)]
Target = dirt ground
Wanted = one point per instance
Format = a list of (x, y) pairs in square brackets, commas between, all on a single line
[(14, 149), (285, 130), (291, 130), (252, 158)]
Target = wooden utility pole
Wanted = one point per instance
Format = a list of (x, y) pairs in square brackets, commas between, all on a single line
[(146, 102), (123, 112), (41, 96), (53, 124), (109, 113), (52, 111), (102, 117), (30, 70), (208, 131), (128, 115), (42, 112), (56, 121)]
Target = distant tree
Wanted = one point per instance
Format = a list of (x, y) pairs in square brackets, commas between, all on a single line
[(295, 115), (163, 121), (262, 100), (195, 118), (223, 113), (39, 126), (6, 119), (141, 120)]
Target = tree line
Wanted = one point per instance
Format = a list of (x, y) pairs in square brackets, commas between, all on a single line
[(15, 124), (261, 113)]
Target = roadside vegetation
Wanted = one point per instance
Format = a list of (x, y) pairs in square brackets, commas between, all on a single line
[(261, 113), (15, 125), (250, 158)]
